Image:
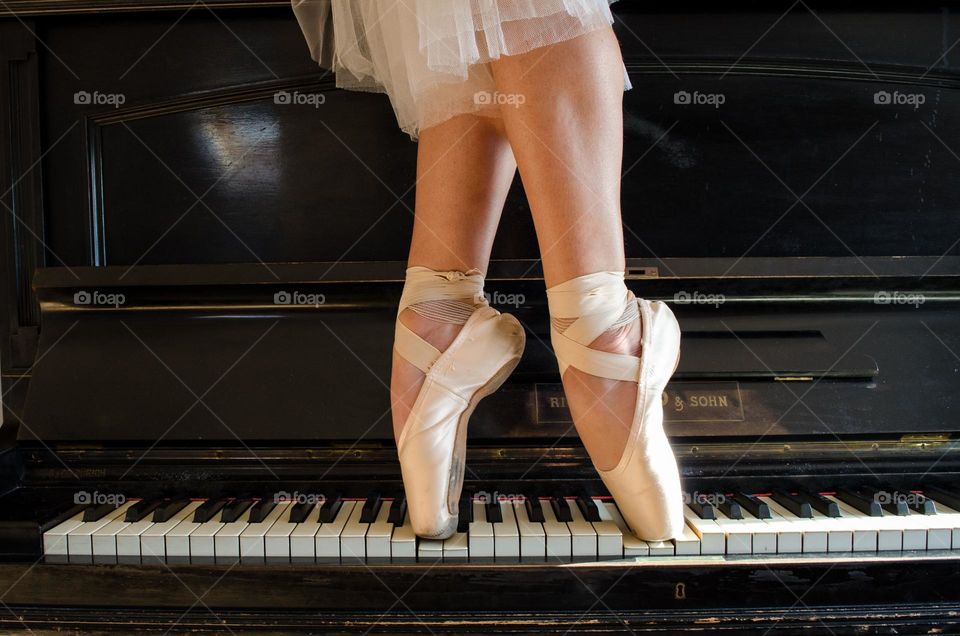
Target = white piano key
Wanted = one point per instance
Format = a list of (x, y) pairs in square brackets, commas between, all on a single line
[(353, 537), (632, 546), (202, 543), (177, 540), (712, 538), (457, 547), (789, 538), (55, 539), (840, 534), (378, 534), (403, 542), (915, 530), (688, 543), (661, 548), (506, 534), (813, 537), (105, 541), (533, 542), (327, 539), (430, 550), (276, 543), (253, 538), (481, 539), (739, 535), (948, 525), (870, 533), (128, 539), (303, 536), (609, 535), (153, 541), (582, 535), (80, 538), (763, 535), (226, 543), (559, 542)]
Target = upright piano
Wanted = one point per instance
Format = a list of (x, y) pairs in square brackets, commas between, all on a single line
[(204, 246)]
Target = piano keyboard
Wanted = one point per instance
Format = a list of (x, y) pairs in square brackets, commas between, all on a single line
[(531, 529)]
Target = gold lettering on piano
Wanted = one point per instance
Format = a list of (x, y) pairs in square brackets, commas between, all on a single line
[(680, 592), (709, 401)]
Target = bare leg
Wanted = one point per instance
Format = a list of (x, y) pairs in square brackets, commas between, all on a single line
[(464, 171), (568, 141)]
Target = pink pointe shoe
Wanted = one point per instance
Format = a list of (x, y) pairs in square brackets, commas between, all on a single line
[(645, 483), (432, 446)]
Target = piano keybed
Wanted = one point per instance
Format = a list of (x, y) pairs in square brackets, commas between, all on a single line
[(508, 530)]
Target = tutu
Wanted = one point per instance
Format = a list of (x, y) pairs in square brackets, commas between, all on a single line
[(431, 57)]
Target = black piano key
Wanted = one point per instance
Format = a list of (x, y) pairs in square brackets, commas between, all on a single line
[(141, 509), (331, 508), (944, 496), (820, 503), (300, 511), (494, 513), (754, 506), (534, 509), (889, 499), (729, 507), (95, 513), (168, 508), (398, 511), (702, 509), (371, 508), (793, 503), (262, 508), (233, 510), (860, 501), (208, 509), (588, 507), (560, 508), (465, 512), (922, 504)]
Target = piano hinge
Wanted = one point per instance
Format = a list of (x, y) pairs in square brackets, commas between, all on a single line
[(925, 438)]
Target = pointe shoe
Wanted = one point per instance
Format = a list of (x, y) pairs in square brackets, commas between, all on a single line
[(645, 483), (432, 446)]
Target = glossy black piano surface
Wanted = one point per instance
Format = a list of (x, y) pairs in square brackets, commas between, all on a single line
[(200, 285)]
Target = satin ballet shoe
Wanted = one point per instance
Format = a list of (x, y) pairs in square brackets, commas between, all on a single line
[(432, 446), (645, 483)]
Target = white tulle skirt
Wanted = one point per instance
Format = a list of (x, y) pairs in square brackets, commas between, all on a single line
[(431, 57)]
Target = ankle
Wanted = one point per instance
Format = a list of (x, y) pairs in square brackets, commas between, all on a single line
[(624, 340), (438, 333)]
